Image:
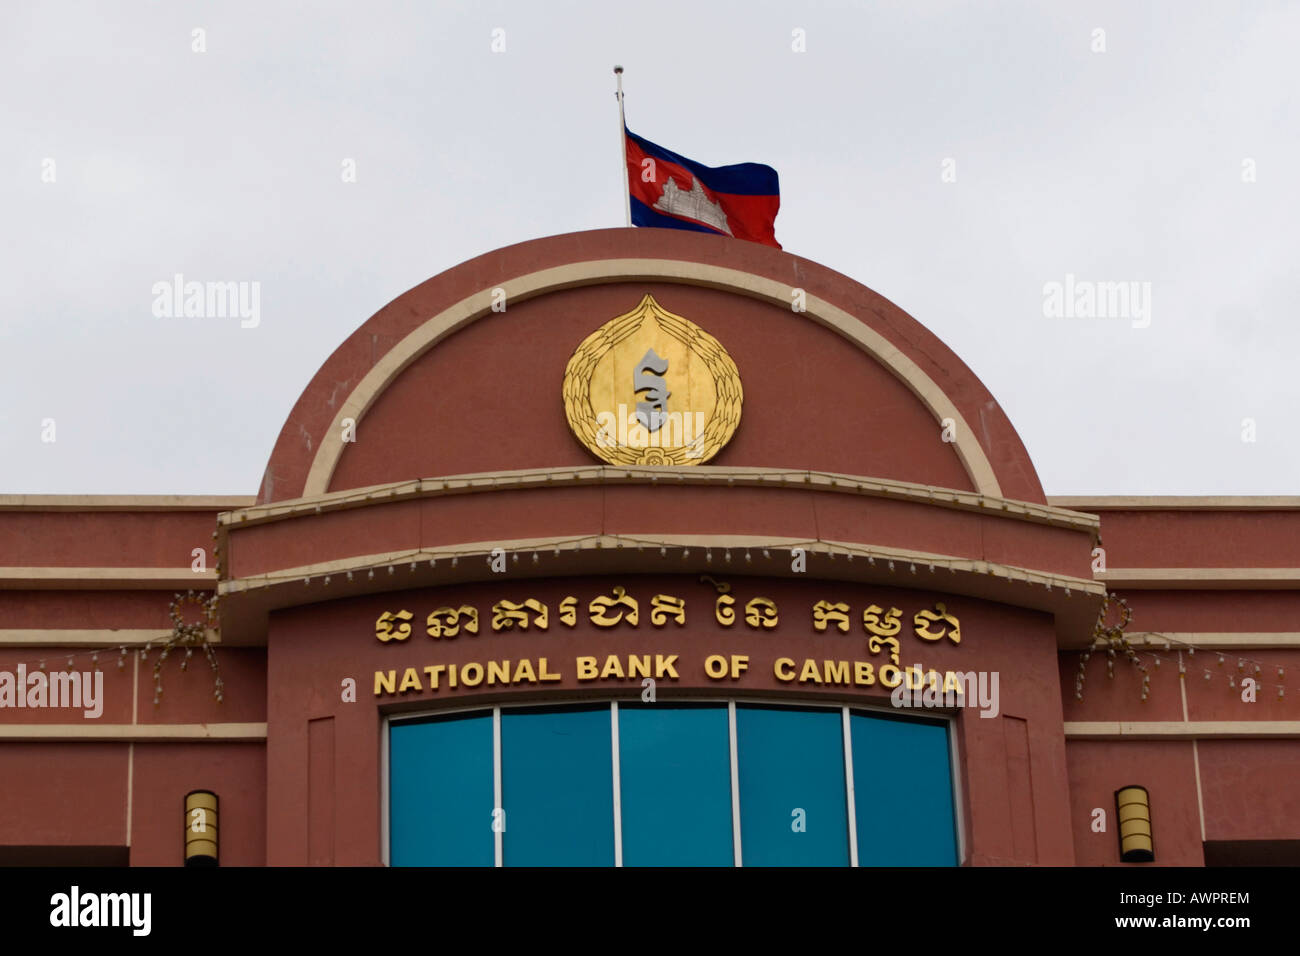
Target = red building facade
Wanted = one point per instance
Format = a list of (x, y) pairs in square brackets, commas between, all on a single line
[(430, 465)]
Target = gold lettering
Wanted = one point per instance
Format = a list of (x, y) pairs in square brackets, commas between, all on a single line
[(613, 667), (638, 665), (761, 612), (890, 625), (498, 672), (543, 673), (810, 672), (525, 667), (664, 666), (445, 621), (600, 609), (507, 615), (715, 665), (569, 611), (410, 681), (665, 606), (875, 644), (783, 668), (837, 672), (434, 672), (863, 673), (393, 627), (723, 608), (825, 613), (385, 682), (950, 627), (895, 675), (477, 672), (587, 668)]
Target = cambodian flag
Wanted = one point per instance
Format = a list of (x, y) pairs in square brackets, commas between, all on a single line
[(673, 192)]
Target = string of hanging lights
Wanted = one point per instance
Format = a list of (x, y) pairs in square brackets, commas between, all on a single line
[(1109, 636), (889, 559), (189, 635)]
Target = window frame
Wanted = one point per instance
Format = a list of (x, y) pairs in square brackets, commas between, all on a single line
[(945, 717)]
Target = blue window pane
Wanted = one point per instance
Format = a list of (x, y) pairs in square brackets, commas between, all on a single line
[(902, 786), (789, 761), (675, 774), (558, 787), (440, 789)]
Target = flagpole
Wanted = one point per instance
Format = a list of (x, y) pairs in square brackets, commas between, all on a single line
[(622, 139)]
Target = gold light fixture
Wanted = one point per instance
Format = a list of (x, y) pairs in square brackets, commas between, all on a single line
[(201, 828), (1134, 807)]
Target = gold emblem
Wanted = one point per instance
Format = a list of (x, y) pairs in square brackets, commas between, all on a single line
[(652, 388)]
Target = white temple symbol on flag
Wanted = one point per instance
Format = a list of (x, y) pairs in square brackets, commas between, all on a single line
[(694, 205)]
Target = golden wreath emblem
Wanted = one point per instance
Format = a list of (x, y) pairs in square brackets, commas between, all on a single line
[(652, 388)]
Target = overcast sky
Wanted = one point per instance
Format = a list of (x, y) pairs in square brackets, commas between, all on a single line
[(1130, 165)]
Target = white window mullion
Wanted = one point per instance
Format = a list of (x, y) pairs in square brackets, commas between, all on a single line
[(954, 770), (498, 831), (618, 784), (848, 789), (735, 783)]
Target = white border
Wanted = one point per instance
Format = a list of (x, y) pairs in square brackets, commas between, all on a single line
[(498, 836), (958, 807), (850, 797), (735, 784)]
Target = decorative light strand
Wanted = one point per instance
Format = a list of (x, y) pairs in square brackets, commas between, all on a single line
[(191, 634), (1105, 637)]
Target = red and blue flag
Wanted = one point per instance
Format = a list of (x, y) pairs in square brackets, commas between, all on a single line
[(669, 191)]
